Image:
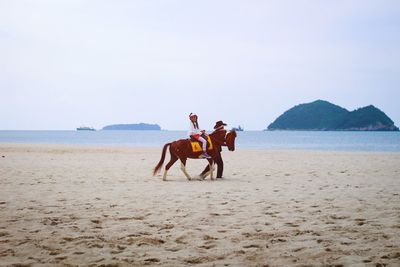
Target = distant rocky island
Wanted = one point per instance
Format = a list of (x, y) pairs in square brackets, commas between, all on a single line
[(322, 115), (138, 126)]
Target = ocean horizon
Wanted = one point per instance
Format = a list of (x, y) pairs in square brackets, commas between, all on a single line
[(279, 140)]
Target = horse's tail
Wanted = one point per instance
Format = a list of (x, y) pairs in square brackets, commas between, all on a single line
[(159, 165)]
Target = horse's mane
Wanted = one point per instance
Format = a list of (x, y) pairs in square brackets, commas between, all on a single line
[(218, 137)]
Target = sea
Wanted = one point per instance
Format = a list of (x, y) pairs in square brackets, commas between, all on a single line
[(269, 140)]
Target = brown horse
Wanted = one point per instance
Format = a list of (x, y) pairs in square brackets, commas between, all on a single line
[(218, 160), (182, 149)]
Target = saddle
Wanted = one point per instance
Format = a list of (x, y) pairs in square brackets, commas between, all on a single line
[(197, 145)]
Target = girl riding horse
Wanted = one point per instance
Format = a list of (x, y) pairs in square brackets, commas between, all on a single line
[(196, 133)]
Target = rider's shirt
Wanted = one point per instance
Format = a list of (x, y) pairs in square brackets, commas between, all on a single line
[(193, 130)]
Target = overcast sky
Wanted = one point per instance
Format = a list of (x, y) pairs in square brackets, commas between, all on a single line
[(68, 63)]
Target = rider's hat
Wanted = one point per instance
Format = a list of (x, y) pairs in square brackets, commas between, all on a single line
[(192, 115), (219, 124)]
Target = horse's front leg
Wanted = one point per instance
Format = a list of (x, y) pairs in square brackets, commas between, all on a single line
[(205, 172), (211, 166), (183, 168)]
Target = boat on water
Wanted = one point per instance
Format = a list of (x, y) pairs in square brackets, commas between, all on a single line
[(85, 128), (238, 129)]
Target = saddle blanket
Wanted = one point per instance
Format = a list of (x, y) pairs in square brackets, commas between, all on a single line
[(196, 145)]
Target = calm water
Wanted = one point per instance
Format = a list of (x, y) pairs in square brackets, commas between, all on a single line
[(346, 141)]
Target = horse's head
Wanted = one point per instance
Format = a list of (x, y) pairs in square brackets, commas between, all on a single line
[(230, 140)]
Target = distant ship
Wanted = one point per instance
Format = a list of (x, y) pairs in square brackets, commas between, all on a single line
[(85, 128), (238, 129)]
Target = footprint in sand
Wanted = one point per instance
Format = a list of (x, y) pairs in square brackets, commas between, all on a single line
[(393, 255), (202, 259), (207, 237), (68, 239), (173, 249), (298, 249), (96, 221), (360, 221), (181, 240), (278, 240), (150, 241), (125, 218), (252, 246), (8, 252), (272, 214), (152, 260), (167, 226), (139, 217), (51, 221), (96, 245), (138, 234), (55, 252), (290, 224), (338, 217), (4, 233), (208, 246)]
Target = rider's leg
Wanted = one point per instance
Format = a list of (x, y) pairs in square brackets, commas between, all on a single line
[(204, 143)]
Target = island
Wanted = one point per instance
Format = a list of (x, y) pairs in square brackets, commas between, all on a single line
[(322, 115), (136, 127)]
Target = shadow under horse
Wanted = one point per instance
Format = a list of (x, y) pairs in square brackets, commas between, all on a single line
[(182, 150)]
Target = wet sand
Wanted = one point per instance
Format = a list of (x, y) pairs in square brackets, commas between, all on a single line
[(76, 205)]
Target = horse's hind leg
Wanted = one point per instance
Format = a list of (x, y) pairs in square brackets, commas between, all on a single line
[(183, 168), (171, 162)]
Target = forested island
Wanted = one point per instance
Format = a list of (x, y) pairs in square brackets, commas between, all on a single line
[(322, 115), (138, 126)]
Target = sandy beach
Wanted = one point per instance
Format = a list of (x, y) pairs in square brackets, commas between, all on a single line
[(101, 206)]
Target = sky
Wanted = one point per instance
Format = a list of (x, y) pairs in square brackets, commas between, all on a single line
[(68, 63)]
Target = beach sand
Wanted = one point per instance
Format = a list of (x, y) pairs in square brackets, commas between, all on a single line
[(77, 205)]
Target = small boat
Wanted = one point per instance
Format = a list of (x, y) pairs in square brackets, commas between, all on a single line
[(238, 129), (85, 128)]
